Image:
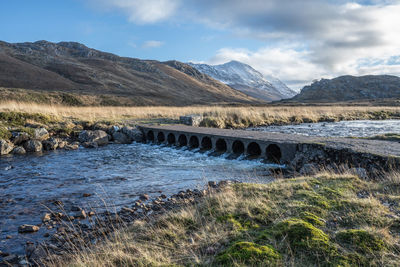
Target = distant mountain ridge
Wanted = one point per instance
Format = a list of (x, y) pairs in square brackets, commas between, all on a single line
[(347, 88), (71, 67), (248, 80)]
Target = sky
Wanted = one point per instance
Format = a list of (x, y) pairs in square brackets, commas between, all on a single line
[(297, 41)]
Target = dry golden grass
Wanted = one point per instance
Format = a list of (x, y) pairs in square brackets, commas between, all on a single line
[(215, 116)]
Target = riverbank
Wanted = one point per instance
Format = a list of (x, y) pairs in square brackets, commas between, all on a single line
[(212, 116), (324, 219)]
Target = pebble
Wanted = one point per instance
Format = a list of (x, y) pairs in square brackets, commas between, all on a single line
[(26, 228), (8, 237), (144, 197)]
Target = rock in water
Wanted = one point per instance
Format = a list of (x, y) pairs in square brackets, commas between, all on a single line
[(41, 134), (19, 150), (121, 138), (50, 144), (98, 136), (27, 228), (33, 146), (5, 147), (133, 133)]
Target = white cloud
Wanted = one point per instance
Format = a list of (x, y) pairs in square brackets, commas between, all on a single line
[(152, 44), (142, 11)]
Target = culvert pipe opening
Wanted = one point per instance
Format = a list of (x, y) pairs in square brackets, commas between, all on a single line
[(273, 153), (206, 143), (160, 137), (150, 136), (193, 142), (182, 140), (238, 147), (221, 146), (253, 149), (171, 139)]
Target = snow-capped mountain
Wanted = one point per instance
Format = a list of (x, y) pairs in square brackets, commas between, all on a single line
[(248, 80)]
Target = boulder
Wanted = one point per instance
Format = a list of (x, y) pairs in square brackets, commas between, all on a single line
[(19, 137), (62, 144), (5, 147), (27, 228), (192, 120), (113, 129), (33, 146), (19, 150), (133, 133), (41, 134), (90, 145), (72, 146), (50, 144), (121, 138), (98, 136)]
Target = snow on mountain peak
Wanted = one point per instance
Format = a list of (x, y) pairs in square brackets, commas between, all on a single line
[(246, 79)]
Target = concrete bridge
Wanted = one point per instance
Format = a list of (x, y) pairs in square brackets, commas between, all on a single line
[(293, 150)]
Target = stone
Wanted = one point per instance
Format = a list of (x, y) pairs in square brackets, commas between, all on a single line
[(19, 150), (50, 144), (121, 138), (113, 129), (90, 145), (133, 133), (8, 237), (5, 147), (360, 172), (98, 136), (126, 209), (144, 197), (27, 228), (71, 147), (62, 144), (41, 134), (46, 217), (19, 137), (86, 194), (212, 184), (81, 214), (33, 146), (191, 120)]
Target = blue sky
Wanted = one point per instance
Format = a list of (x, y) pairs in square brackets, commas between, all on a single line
[(295, 40)]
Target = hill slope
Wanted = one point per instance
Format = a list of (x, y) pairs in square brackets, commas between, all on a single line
[(248, 80), (73, 68), (346, 88)]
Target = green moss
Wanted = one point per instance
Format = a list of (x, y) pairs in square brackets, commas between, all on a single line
[(302, 235), (238, 222), (313, 198), (4, 133), (361, 240), (249, 253), (20, 118), (312, 218)]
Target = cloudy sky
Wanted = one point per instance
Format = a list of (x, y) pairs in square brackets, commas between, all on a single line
[(296, 40)]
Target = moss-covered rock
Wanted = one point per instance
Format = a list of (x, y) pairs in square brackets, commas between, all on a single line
[(249, 253), (312, 218), (302, 235), (361, 240)]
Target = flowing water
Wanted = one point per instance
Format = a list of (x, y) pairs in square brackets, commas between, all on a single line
[(114, 174), (357, 128)]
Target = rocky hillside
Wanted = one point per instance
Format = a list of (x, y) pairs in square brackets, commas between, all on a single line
[(349, 88), (90, 76), (248, 80)]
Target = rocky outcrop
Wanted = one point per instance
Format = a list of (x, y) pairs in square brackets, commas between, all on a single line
[(19, 150), (5, 147), (19, 137), (347, 88), (33, 146), (41, 134), (133, 133), (50, 144), (121, 138), (98, 136)]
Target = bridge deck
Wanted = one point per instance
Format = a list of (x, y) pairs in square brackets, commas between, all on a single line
[(375, 147)]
